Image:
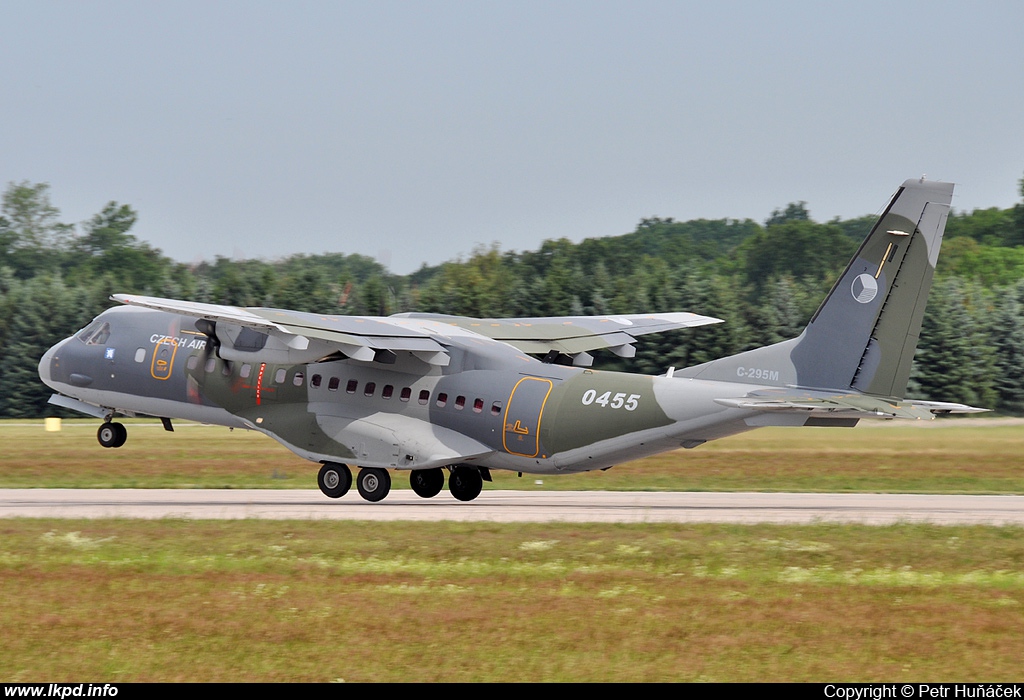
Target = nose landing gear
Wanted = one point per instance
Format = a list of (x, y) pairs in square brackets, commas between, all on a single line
[(112, 434)]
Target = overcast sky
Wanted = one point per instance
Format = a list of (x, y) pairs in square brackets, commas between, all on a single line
[(413, 131)]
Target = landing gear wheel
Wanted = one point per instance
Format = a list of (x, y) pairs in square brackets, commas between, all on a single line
[(334, 479), (427, 483), (112, 434), (373, 484), (465, 483)]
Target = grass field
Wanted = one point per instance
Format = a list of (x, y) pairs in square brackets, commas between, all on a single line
[(951, 456), (121, 600), (305, 601)]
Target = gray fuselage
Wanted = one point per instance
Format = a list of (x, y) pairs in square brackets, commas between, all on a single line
[(492, 406)]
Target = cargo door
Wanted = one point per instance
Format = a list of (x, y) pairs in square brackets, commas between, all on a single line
[(523, 415)]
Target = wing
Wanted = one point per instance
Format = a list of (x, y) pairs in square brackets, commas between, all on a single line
[(575, 336), (826, 405), (294, 336)]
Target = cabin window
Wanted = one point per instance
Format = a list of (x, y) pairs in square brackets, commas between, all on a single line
[(460, 402), (226, 370), (406, 394), (211, 365), (245, 371), (496, 408), (478, 406), (140, 355), (370, 388), (315, 380), (297, 379), (442, 399), (424, 396), (387, 392), (280, 375), (351, 386), (333, 384), (193, 360)]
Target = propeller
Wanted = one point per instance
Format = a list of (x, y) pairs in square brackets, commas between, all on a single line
[(210, 350)]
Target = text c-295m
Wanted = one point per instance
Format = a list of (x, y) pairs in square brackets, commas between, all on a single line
[(771, 375)]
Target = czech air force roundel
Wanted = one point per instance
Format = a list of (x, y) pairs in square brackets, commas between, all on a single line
[(864, 288)]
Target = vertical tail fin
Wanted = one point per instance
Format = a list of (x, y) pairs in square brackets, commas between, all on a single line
[(864, 334)]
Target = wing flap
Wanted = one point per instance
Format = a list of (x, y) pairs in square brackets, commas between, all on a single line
[(572, 345)]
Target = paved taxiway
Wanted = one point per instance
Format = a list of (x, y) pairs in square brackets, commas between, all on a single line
[(516, 506)]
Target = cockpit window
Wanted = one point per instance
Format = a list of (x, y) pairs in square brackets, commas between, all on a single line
[(95, 333)]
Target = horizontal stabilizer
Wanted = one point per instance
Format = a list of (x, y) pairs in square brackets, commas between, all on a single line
[(824, 405), (943, 407)]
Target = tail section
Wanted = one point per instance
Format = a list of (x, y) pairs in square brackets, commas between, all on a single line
[(863, 336)]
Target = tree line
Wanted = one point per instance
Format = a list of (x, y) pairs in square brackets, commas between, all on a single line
[(765, 279)]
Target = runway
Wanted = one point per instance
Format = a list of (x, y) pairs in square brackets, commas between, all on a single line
[(516, 506)]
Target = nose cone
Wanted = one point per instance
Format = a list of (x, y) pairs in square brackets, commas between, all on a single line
[(46, 363)]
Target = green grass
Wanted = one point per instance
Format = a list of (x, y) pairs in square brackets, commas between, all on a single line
[(320, 601), (111, 600), (951, 456)]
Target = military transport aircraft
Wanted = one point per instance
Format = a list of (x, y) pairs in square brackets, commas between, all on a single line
[(427, 393)]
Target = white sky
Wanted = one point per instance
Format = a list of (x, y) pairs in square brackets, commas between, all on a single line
[(413, 131)]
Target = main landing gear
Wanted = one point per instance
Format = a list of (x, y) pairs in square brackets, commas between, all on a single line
[(374, 484), (334, 479), (112, 434), (465, 483), (427, 483)]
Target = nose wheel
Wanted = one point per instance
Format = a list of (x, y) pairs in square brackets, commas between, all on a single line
[(112, 434)]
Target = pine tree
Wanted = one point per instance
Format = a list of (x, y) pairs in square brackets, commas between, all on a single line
[(954, 361), (1007, 340), (780, 316), (44, 312)]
